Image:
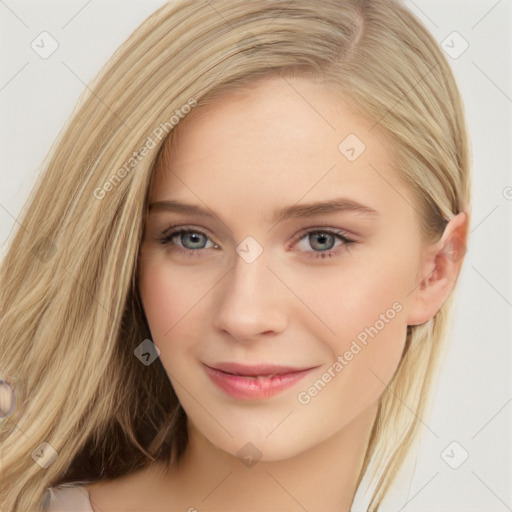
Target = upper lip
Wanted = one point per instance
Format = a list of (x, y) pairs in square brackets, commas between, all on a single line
[(256, 369)]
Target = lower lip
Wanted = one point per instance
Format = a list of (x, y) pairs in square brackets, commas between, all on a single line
[(248, 388)]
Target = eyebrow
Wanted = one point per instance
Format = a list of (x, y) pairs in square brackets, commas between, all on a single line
[(337, 205)]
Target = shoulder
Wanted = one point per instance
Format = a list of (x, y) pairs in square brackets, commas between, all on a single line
[(129, 493), (132, 492), (68, 498)]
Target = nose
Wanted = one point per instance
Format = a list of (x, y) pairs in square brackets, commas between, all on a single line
[(252, 301)]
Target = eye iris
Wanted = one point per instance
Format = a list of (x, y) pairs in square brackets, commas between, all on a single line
[(322, 237), (195, 238)]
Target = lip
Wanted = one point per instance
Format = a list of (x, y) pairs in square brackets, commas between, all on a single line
[(254, 382)]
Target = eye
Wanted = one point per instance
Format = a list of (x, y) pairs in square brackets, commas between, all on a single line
[(187, 240), (323, 242)]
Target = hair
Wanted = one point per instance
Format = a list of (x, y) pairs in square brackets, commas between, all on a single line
[(71, 312)]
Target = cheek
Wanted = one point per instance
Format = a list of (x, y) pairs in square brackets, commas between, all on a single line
[(349, 299), (370, 333), (176, 301), (354, 381), (364, 306), (161, 312), (374, 356), (169, 296)]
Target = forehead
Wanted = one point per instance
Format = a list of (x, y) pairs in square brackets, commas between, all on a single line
[(279, 142)]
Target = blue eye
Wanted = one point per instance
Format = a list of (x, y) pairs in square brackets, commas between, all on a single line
[(195, 239), (321, 241), (190, 240)]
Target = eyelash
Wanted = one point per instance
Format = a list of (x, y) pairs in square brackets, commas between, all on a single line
[(169, 234)]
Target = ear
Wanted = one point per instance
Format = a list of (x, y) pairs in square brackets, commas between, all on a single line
[(440, 268)]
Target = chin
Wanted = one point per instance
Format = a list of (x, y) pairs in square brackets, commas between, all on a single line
[(263, 450), (258, 445)]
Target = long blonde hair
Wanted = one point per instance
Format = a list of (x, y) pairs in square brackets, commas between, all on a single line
[(71, 313)]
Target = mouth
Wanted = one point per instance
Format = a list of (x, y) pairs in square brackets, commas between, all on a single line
[(254, 382)]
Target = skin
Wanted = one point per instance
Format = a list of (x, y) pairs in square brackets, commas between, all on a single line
[(249, 153)]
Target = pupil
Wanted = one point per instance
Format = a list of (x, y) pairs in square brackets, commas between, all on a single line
[(322, 237), (195, 238)]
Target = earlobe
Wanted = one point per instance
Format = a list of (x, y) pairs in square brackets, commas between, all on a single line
[(440, 268)]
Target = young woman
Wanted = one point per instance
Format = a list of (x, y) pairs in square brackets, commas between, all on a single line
[(234, 279)]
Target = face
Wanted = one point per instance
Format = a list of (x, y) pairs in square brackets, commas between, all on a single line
[(285, 256)]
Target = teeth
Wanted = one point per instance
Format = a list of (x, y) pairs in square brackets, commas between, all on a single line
[(260, 377)]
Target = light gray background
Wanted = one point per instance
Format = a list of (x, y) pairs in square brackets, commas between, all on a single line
[(473, 404)]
